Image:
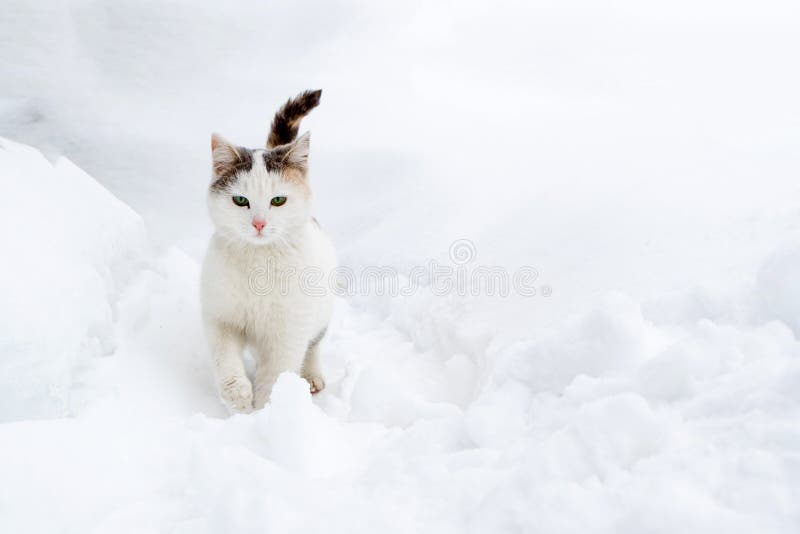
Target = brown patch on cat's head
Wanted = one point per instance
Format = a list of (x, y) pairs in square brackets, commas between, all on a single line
[(286, 123), (290, 161), (228, 161)]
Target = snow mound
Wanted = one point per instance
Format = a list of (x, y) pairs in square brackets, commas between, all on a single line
[(70, 246)]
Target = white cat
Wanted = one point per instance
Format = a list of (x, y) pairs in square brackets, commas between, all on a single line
[(253, 293)]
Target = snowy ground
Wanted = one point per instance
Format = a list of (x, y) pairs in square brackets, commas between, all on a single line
[(643, 159)]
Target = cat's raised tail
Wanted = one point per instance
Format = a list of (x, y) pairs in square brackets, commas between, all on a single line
[(287, 120)]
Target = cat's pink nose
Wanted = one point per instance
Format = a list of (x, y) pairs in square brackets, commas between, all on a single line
[(259, 224)]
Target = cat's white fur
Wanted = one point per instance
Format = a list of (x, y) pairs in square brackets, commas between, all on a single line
[(252, 293)]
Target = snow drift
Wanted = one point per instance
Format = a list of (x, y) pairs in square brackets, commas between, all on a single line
[(70, 246)]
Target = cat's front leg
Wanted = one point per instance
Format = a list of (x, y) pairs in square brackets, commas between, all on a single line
[(285, 353), (227, 344)]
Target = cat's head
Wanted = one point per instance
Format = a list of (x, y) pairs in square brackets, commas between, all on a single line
[(261, 196)]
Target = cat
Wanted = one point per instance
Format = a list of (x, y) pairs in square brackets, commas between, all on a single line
[(259, 201)]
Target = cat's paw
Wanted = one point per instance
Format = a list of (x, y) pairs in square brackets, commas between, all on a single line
[(316, 382), (237, 393)]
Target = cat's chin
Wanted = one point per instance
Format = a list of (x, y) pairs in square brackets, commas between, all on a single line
[(260, 240), (249, 239)]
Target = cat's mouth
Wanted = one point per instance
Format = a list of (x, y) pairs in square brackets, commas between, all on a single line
[(261, 238)]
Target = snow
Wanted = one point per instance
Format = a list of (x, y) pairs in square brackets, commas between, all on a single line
[(639, 158), (69, 247)]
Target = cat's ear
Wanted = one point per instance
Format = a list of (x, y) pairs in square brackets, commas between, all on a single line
[(291, 156), (298, 152), (227, 158)]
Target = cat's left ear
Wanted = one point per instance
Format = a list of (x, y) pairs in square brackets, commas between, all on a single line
[(294, 155), (298, 151)]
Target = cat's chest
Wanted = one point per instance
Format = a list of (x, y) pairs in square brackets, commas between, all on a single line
[(264, 281), (255, 290), (268, 296)]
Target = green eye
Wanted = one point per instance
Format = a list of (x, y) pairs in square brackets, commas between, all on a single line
[(278, 201), (241, 201)]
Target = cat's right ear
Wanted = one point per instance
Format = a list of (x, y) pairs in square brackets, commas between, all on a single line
[(227, 158), (222, 150)]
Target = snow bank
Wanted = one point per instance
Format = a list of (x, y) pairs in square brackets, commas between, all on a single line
[(69, 247)]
